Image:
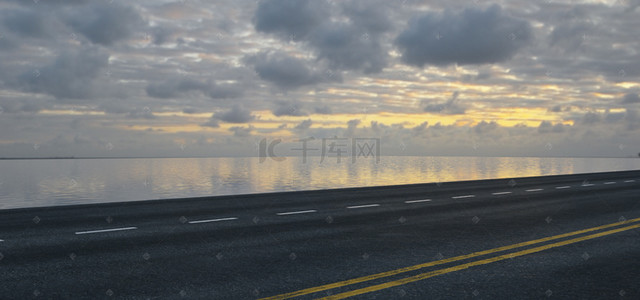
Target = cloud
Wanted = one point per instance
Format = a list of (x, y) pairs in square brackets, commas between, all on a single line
[(346, 38), (174, 87), (27, 23), (352, 125), (105, 23), (213, 123), (420, 129), (141, 113), (485, 127), (237, 114), (72, 75), (288, 108), (630, 98), (26, 105), (372, 16), (451, 107), (548, 127), (171, 88), (470, 37), (306, 124), (290, 19), (239, 131), (323, 110), (569, 36), (590, 118), (160, 34), (284, 71), (346, 47)]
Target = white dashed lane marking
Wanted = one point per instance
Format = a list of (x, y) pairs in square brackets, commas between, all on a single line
[(418, 201), (296, 212), (363, 206), (213, 220), (106, 230), (500, 193), (348, 207)]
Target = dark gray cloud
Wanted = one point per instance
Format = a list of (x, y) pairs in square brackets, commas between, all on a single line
[(141, 113), (72, 75), (213, 123), (23, 105), (306, 124), (288, 108), (485, 127), (352, 125), (105, 23), (420, 129), (190, 110), (347, 47), (555, 108), (237, 114), (171, 88), (470, 37), (174, 87), (548, 127), (161, 34), (113, 108), (372, 16), (284, 71), (224, 91), (290, 19), (630, 98), (323, 110), (450, 107), (239, 131), (348, 40), (26, 23), (590, 118), (570, 36)]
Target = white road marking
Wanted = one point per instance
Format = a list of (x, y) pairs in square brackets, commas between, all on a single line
[(588, 184), (563, 187), (296, 212), (500, 193), (213, 220), (630, 180), (464, 196), (1, 240), (106, 230), (610, 182), (534, 190), (363, 206), (418, 201)]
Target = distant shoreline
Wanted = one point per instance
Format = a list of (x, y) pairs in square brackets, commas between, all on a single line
[(155, 157)]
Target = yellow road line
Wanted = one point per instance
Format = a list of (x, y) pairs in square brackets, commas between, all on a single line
[(472, 264), (438, 262)]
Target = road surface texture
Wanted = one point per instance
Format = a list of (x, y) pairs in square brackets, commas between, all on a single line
[(552, 237)]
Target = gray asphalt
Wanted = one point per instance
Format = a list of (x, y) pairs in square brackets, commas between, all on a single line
[(261, 245)]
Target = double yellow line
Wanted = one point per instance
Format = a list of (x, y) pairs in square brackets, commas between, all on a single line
[(458, 258)]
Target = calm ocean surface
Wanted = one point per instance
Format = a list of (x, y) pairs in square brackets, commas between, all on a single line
[(30, 183)]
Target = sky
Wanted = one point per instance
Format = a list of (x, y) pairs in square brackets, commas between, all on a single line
[(146, 78)]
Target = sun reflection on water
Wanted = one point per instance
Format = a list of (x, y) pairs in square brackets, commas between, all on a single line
[(60, 182)]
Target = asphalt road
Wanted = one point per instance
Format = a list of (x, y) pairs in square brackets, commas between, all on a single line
[(554, 237)]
